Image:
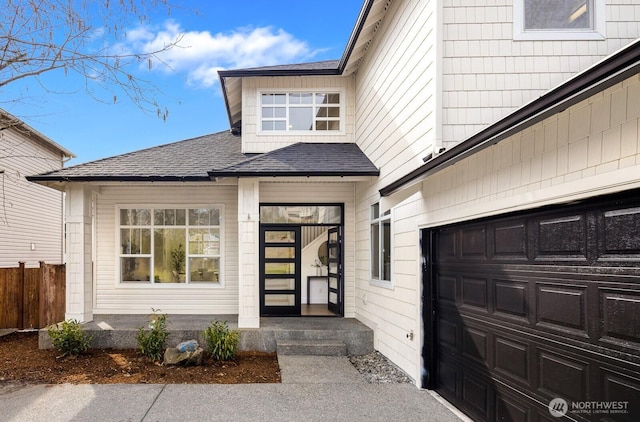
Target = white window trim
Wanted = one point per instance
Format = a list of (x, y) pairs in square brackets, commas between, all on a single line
[(340, 91), (151, 285), (387, 284), (597, 33)]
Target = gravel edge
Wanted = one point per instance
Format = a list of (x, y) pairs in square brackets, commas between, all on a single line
[(377, 369)]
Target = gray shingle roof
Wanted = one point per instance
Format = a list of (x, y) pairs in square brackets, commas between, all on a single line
[(327, 65), (216, 155), (305, 159), (190, 159)]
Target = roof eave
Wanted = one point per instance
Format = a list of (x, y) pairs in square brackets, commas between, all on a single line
[(355, 34), (65, 152), (291, 173), (46, 178), (598, 77)]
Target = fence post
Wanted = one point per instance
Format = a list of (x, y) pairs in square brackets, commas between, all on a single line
[(20, 300), (43, 295)]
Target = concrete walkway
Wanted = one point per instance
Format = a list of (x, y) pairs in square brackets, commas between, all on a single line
[(312, 389)]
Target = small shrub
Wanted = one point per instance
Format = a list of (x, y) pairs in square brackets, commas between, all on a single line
[(152, 343), (222, 342), (68, 338)]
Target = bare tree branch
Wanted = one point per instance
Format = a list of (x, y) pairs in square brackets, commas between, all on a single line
[(81, 37)]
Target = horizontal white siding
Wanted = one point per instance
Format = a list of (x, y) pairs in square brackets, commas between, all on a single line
[(589, 149), (435, 73), (112, 297), (29, 213), (486, 74), (397, 125), (252, 142), (395, 90), (324, 193)]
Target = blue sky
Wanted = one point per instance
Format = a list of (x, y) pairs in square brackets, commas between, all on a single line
[(221, 35)]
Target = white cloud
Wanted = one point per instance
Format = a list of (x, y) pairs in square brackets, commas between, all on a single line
[(200, 54)]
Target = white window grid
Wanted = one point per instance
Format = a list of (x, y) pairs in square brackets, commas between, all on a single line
[(152, 226)]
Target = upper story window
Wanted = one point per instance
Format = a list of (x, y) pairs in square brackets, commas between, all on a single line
[(559, 19), (300, 111), (170, 245)]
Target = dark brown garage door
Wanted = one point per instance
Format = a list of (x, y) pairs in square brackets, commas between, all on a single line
[(533, 307)]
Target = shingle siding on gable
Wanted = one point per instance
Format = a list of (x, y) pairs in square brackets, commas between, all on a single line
[(28, 212), (252, 142), (487, 75)]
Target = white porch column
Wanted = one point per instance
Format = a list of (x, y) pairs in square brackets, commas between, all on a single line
[(79, 293), (248, 244)]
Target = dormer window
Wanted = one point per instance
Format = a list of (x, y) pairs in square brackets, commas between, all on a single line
[(302, 111)]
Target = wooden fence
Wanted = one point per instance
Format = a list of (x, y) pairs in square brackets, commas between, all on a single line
[(32, 297)]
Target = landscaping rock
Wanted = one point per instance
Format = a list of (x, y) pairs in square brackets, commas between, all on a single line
[(188, 346), (173, 356)]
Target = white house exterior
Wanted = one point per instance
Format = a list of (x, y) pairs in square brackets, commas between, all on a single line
[(477, 173), (31, 216)]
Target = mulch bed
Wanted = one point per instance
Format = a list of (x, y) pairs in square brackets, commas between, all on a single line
[(22, 361)]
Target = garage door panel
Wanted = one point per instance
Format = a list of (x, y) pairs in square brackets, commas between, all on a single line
[(511, 358), (562, 238), (448, 249), (561, 376), (620, 317), (510, 242), (508, 409), (620, 234), (474, 293), (474, 243), (447, 290), (562, 306), (474, 344), (448, 384), (448, 334), (621, 388), (476, 393), (511, 297)]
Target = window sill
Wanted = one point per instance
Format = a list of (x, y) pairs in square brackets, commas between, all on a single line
[(301, 133), (558, 36), (382, 283), (170, 286)]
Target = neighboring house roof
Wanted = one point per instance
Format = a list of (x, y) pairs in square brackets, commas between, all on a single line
[(305, 159), (602, 75), (369, 19), (216, 155), (8, 120)]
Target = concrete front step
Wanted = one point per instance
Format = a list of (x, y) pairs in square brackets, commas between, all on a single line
[(311, 347)]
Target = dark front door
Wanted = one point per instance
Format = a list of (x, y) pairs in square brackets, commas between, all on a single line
[(534, 308), (334, 249), (280, 292)]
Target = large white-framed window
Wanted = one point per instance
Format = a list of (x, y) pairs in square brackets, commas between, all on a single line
[(168, 244), (559, 19), (312, 111), (381, 247)]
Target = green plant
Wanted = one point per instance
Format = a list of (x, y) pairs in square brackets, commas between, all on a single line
[(68, 338), (222, 342), (178, 259), (151, 343)]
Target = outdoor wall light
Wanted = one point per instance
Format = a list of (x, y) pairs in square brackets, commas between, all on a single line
[(33, 246)]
